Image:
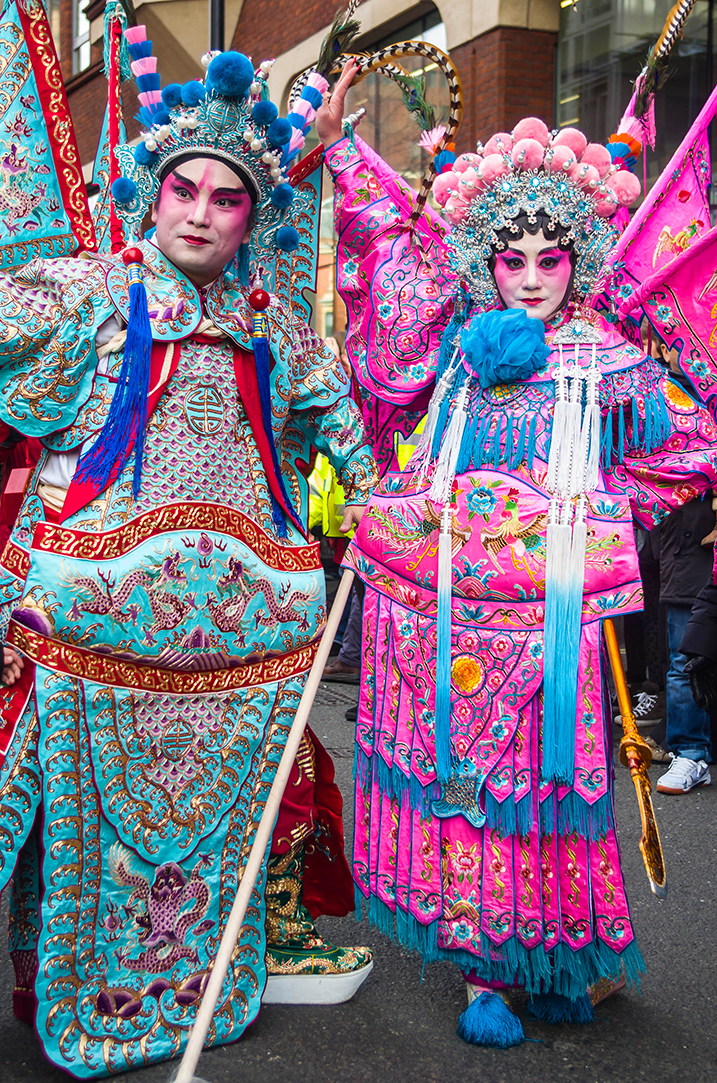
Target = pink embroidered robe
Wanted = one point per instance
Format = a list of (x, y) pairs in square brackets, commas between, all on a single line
[(516, 879)]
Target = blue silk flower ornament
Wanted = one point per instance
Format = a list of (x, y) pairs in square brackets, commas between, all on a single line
[(504, 346)]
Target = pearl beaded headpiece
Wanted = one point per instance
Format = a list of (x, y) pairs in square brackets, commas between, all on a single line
[(228, 116), (574, 182)]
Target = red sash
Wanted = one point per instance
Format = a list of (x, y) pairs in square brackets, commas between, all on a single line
[(164, 361), (13, 701)]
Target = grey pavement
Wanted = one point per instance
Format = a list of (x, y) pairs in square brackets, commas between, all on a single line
[(400, 1028)]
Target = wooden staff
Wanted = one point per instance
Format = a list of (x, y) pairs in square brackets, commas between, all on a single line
[(198, 1033)]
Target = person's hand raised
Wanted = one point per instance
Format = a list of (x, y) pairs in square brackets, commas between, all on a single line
[(330, 117)]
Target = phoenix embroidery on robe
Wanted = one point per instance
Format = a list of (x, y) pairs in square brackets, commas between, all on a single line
[(411, 528)]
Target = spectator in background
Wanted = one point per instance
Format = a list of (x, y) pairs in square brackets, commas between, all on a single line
[(699, 644), (686, 564)]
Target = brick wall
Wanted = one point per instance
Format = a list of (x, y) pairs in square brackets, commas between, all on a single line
[(66, 39), (507, 74), (268, 28)]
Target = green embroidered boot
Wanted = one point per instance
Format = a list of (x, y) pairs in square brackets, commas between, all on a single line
[(304, 968)]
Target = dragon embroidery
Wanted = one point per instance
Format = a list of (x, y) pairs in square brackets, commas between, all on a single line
[(168, 611), (236, 591)]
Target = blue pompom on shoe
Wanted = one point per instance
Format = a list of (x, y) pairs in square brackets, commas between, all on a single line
[(172, 95), (489, 1021), (555, 1008), (230, 74)]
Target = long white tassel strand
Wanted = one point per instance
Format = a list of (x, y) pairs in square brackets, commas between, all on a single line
[(579, 541), (557, 439), (592, 417), (422, 454), (570, 470)]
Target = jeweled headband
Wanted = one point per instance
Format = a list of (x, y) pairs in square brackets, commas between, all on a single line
[(574, 182), (228, 116)]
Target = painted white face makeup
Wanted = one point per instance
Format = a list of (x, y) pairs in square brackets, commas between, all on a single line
[(201, 217), (533, 273)]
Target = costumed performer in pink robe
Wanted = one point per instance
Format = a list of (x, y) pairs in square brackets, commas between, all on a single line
[(485, 827)]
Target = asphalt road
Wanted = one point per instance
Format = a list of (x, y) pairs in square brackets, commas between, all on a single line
[(400, 1028)]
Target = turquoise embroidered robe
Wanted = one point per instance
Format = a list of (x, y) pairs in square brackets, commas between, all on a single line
[(166, 644)]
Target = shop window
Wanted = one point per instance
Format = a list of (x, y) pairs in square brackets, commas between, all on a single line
[(602, 47), (80, 37)]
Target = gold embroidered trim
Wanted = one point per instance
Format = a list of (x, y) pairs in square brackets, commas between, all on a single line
[(118, 673)]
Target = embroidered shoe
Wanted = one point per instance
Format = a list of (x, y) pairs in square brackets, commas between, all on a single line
[(683, 775), (604, 988), (304, 968), (315, 973)]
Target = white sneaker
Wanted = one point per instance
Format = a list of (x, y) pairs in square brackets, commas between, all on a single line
[(683, 775)]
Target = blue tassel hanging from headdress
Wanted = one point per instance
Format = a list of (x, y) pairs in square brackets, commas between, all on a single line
[(126, 422)]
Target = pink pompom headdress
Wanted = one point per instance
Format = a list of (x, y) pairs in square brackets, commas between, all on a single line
[(576, 184)]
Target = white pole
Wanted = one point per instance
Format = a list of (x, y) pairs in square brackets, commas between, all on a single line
[(198, 1033)]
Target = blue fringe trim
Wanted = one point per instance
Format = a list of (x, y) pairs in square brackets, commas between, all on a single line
[(574, 814), (491, 439), (554, 1008), (508, 817), (648, 433), (560, 970), (392, 781)]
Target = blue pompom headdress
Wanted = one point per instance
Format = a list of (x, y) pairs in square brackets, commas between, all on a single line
[(228, 116)]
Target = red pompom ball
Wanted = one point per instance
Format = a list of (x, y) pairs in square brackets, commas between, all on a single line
[(259, 300), (501, 142), (573, 138), (528, 154), (132, 255), (625, 185), (558, 157), (598, 156)]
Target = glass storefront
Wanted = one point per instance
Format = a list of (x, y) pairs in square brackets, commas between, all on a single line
[(602, 47)]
